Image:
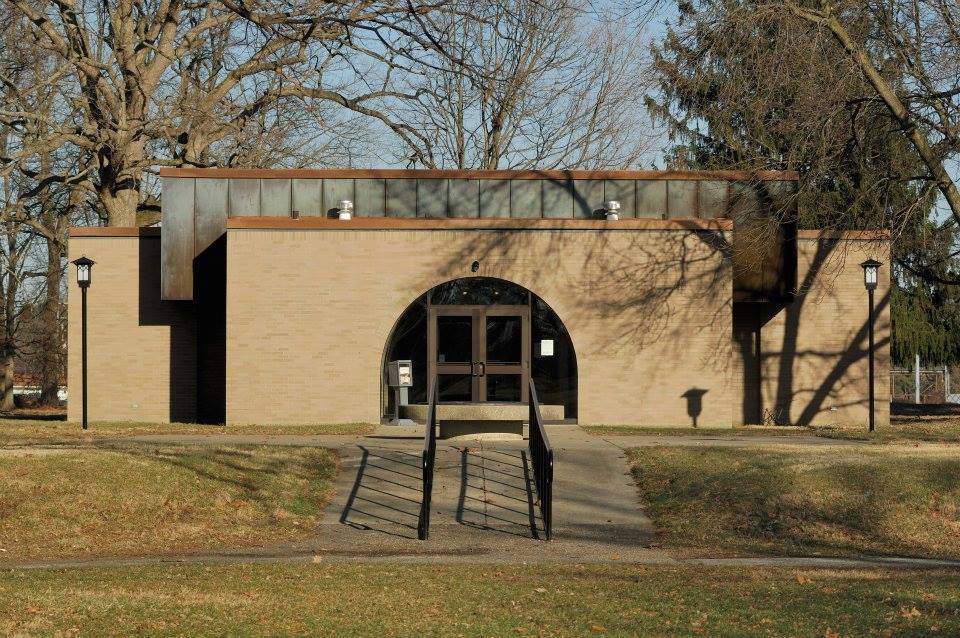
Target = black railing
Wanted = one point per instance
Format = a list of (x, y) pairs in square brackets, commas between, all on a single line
[(541, 454), (428, 459)]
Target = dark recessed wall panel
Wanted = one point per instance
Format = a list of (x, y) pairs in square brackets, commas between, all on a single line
[(464, 198), (177, 243), (371, 197), (244, 198), (307, 197)]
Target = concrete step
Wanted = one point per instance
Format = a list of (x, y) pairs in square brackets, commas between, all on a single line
[(487, 411)]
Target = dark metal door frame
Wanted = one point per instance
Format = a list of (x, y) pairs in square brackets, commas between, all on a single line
[(478, 368)]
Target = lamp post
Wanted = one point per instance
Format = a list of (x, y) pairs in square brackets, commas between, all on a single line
[(871, 268), (84, 269)]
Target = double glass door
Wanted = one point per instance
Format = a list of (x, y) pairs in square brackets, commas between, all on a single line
[(479, 353)]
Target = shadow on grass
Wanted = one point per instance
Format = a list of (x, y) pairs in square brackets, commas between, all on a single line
[(33, 416), (721, 501), (261, 474)]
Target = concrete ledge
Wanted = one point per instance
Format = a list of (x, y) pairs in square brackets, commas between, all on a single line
[(489, 430), (483, 412)]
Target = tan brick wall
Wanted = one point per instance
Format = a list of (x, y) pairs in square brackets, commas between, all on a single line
[(814, 351), (310, 314), (141, 350)]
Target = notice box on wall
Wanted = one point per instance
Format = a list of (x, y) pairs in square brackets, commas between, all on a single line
[(544, 348)]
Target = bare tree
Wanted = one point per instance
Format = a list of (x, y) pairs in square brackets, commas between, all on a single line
[(44, 183), (923, 37), (543, 86), (146, 76)]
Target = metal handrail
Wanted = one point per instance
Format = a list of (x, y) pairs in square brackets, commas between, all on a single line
[(428, 459), (541, 455)]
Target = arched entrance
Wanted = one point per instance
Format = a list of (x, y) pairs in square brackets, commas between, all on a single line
[(484, 338)]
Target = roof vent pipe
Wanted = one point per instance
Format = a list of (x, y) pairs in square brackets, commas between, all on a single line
[(612, 210)]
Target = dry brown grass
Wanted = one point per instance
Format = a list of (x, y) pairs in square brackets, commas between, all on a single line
[(900, 430), (781, 501), (478, 600), (142, 500), (33, 431)]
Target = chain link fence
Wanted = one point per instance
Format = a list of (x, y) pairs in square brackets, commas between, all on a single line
[(933, 385)]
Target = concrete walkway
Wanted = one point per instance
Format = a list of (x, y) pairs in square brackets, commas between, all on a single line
[(571, 435), (485, 504)]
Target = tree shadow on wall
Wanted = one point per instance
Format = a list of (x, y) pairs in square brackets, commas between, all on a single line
[(679, 287), (838, 349)]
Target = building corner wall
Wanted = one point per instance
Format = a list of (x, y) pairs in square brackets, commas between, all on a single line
[(142, 351), (806, 362)]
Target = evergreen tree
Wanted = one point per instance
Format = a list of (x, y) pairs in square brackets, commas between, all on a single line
[(749, 90)]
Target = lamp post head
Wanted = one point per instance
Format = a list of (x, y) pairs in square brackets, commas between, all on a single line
[(871, 268), (84, 271)]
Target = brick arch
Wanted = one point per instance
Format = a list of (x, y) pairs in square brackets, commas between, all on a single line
[(440, 281)]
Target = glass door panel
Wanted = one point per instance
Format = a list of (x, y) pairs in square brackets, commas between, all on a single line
[(455, 387), (455, 339), (504, 387), (504, 339), (480, 353)]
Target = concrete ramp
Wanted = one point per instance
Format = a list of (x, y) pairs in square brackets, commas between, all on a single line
[(484, 501)]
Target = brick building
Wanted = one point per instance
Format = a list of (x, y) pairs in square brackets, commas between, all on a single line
[(255, 303)]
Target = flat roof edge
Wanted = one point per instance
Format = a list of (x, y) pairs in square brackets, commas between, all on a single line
[(114, 231), (385, 173), (399, 223)]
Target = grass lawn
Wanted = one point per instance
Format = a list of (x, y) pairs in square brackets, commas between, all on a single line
[(629, 430), (84, 502), (874, 500), (900, 430), (32, 431), (459, 600)]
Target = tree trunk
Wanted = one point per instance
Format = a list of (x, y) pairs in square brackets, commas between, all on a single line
[(52, 346), (8, 347), (120, 205)]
